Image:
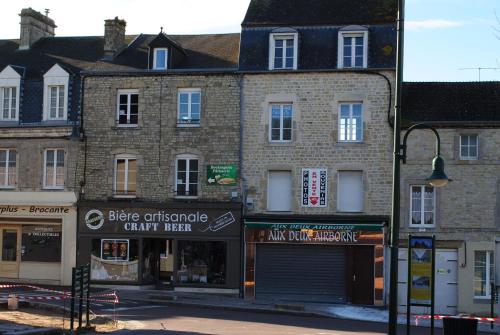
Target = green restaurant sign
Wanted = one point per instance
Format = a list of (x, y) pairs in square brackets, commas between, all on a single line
[(221, 175)]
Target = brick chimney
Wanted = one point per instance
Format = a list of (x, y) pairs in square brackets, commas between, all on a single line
[(114, 36), (34, 25)]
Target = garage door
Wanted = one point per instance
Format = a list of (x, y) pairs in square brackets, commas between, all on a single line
[(300, 273)]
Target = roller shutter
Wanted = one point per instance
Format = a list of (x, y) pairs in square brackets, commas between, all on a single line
[(300, 273)]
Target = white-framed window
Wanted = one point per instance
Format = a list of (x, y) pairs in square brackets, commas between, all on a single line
[(469, 145), (8, 103), (350, 195), (10, 85), (353, 49), (125, 176), (483, 274), (186, 176), (422, 206), (283, 51), (280, 120), (53, 172), (57, 102), (279, 191), (55, 92), (189, 106), (8, 172), (127, 103), (351, 122), (160, 59)]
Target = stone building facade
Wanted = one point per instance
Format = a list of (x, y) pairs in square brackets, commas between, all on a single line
[(316, 153), (39, 156), (161, 195), (464, 216)]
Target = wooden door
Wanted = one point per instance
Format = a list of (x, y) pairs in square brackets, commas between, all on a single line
[(10, 251), (362, 279)]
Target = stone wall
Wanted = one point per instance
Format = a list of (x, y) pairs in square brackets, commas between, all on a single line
[(158, 139), (30, 161), (315, 98)]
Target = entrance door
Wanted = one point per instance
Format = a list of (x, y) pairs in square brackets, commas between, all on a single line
[(10, 239), (362, 275)]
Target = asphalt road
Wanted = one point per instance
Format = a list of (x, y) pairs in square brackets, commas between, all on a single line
[(155, 319)]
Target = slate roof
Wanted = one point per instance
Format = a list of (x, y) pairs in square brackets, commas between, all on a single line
[(442, 103), (86, 53), (319, 12)]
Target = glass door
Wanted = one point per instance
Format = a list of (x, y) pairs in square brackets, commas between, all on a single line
[(10, 238)]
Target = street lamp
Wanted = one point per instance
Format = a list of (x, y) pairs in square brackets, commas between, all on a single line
[(437, 178)]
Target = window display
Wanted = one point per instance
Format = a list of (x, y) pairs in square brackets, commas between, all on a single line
[(115, 259), (201, 262), (41, 243)]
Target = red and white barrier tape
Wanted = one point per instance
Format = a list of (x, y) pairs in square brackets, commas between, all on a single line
[(440, 317), (62, 295)]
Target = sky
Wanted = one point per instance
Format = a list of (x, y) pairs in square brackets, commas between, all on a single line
[(442, 37)]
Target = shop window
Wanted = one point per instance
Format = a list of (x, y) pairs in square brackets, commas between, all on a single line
[(279, 191), (115, 260), (483, 274), (350, 191), (201, 262), (41, 243)]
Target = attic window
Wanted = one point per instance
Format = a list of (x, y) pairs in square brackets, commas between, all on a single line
[(160, 59), (283, 51)]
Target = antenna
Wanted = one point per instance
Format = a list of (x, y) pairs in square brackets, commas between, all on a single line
[(47, 11), (479, 69)]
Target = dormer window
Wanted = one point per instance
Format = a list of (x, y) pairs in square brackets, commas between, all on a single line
[(353, 47), (283, 50), (55, 94), (160, 59), (10, 84)]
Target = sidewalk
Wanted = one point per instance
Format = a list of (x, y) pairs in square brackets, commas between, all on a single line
[(200, 300)]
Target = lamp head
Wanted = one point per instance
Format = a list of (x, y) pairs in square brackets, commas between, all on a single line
[(438, 178)]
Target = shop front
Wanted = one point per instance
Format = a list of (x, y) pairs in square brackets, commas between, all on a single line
[(186, 246), (314, 260), (37, 237)]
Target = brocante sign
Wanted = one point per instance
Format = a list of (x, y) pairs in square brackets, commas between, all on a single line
[(154, 221)]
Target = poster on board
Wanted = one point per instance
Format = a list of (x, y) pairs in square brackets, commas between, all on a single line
[(421, 277), (314, 187)]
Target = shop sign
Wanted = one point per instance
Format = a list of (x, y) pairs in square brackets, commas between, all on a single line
[(152, 221), (34, 209), (221, 175), (314, 187), (421, 258), (314, 233), (94, 219)]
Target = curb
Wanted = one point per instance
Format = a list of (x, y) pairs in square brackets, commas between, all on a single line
[(277, 310)]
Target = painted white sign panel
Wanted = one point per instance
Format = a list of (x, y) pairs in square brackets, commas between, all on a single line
[(314, 187)]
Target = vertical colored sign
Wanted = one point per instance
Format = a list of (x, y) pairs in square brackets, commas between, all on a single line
[(314, 187), (421, 276)]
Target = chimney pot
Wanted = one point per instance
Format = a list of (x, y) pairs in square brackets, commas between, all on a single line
[(34, 26), (114, 36)]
